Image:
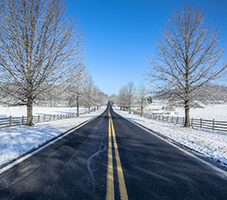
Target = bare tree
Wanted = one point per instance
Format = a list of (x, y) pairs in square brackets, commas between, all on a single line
[(130, 95), (80, 88), (99, 98), (122, 98), (188, 55), (142, 97), (88, 98), (127, 96), (39, 47), (75, 88)]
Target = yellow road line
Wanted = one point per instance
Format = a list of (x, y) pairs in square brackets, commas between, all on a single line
[(110, 179), (122, 187)]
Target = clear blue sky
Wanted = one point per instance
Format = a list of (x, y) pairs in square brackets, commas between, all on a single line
[(120, 33)]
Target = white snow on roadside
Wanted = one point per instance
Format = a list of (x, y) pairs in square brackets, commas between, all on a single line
[(16, 141), (211, 144)]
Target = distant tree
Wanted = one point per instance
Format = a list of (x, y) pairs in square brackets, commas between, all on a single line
[(142, 97), (188, 56), (130, 95), (122, 97), (127, 96), (88, 98), (97, 97), (76, 87), (113, 98), (211, 94), (101, 98), (39, 48), (92, 96)]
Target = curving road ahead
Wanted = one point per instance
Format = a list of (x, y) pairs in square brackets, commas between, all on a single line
[(111, 158)]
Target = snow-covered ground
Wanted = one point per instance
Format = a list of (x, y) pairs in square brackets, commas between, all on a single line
[(210, 144), (209, 112), (19, 111), (16, 141), (217, 112)]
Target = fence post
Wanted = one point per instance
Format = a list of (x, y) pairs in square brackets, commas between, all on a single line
[(177, 121), (10, 121), (44, 118), (183, 120), (22, 120), (192, 122), (38, 118), (201, 122), (213, 125)]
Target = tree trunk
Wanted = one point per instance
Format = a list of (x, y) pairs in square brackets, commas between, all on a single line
[(78, 106), (89, 110), (187, 118), (29, 113), (141, 111)]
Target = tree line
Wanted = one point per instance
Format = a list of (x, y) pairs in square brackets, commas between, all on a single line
[(188, 60), (42, 56), (131, 96)]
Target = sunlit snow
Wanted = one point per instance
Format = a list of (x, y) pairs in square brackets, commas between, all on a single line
[(211, 144), (16, 141)]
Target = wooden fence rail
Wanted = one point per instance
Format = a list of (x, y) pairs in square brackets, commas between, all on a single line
[(17, 121), (213, 125)]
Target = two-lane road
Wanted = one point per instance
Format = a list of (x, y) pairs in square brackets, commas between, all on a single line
[(111, 158)]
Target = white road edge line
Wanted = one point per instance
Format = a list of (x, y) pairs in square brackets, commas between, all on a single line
[(16, 162), (218, 171)]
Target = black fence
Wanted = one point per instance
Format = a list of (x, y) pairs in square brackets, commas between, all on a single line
[(17, 121), (213, 125)]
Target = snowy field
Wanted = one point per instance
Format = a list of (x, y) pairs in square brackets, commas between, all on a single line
[(217, 112), (19, 111), (16, 141), (209, 112), (210, 144)]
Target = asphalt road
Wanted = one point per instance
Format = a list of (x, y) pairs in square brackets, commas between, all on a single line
[(111, 158)]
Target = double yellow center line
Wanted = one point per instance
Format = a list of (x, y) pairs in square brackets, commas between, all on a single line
[(110, 171)]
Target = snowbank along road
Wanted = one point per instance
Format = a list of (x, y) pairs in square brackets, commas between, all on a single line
[(111, 158)]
